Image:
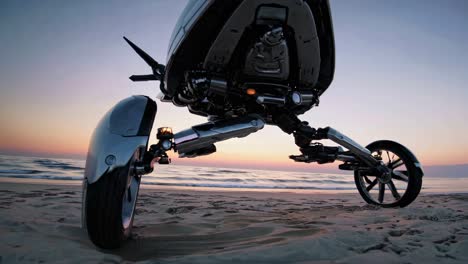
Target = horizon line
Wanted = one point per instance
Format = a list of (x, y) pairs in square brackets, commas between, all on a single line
[(202, 163)]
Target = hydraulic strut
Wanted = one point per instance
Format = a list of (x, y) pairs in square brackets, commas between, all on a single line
[(199, 140), (316, 152)]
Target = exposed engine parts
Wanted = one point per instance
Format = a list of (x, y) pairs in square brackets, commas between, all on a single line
[(200, 86), (269, 57), (213, 94), (272, 49)]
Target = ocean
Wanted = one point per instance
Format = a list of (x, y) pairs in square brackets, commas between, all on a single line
[(205, 177)]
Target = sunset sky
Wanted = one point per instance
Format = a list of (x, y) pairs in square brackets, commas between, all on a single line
[(401, 74)]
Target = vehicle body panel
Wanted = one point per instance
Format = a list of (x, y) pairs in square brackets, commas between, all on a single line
[(202, 21), (123, 129)]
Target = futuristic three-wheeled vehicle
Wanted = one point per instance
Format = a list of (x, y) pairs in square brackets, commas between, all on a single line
[(243, 64)]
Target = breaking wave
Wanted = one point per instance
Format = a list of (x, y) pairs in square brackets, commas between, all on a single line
[(189, 176)]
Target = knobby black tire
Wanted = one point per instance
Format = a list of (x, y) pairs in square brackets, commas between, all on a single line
[(414, 174), (104, 209)]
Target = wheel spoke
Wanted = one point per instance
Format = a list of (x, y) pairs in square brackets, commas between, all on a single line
[(368, 181), (372, 185), (381, 192), (400, 175), (389, 159), (395, 164), (394, 190)]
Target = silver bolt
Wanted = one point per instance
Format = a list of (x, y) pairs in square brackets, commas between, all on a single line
[(110, 160)]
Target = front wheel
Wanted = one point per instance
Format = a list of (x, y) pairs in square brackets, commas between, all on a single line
[(110, 206), (401, 186)]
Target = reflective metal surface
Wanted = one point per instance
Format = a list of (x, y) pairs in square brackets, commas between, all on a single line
[(206, 134), (116, 135), (131, 193), (354, 147), (264, 99), (302, 98)]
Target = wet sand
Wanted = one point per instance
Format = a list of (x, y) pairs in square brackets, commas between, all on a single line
[(40, 223)]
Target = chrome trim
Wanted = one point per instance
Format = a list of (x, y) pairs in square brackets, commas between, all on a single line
[(354, 147), (264, 99), (302, 98), (179, 138), (206, 134), (129, 200)]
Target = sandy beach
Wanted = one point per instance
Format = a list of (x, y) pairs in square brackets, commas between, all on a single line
[(40, 223)]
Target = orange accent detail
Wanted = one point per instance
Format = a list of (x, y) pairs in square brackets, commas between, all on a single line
[(251, 91)]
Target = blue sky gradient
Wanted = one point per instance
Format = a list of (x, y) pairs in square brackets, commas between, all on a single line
[(401, 74)]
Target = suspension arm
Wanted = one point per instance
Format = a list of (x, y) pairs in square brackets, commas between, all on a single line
[(363, 153), (304, 134)]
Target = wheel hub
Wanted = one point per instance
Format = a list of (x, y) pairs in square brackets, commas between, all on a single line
[(385, 177)]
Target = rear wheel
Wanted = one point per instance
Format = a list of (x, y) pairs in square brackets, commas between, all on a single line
[(401, 186), (110, 206)]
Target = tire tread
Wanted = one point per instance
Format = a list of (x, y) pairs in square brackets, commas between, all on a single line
[(104, 209)]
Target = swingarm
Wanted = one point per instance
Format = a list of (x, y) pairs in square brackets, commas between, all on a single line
[(198, 140), (356, 157)]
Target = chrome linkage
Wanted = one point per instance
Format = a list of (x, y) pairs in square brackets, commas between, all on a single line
[(157, 152), (355, 156)]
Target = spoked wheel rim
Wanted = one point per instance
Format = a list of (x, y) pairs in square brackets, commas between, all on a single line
[(129, 202), (388, 189), (129, 199)]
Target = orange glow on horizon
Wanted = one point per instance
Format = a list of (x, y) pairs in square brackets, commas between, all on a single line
[(255, 151), (219, 159)]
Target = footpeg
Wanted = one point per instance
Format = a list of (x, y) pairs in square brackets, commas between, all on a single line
[(348, 166), (301, 158), (317, 153)]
